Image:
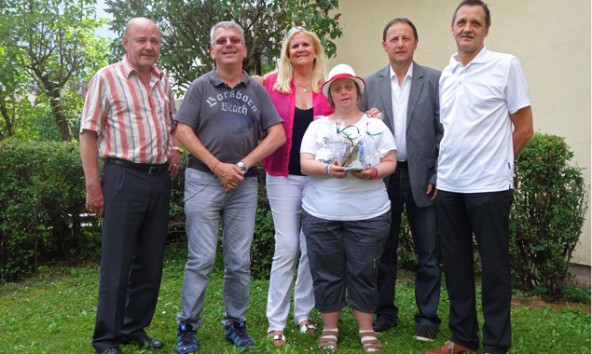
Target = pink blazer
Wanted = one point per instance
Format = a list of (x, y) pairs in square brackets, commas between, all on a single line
[(276, 164)]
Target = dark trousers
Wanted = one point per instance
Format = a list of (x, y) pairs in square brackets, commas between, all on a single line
[(133, 242), (486, 215), (343, 257), (424, 230)]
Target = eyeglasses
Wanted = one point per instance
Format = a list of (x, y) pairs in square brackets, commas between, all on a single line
[(224, 40), (296, 29)]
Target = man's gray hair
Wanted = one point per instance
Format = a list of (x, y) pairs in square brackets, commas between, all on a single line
[(226, 24)]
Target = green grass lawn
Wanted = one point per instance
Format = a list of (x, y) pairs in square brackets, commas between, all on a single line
[(54, 313)]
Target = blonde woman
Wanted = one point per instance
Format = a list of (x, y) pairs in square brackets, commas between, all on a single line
[(295, 90)]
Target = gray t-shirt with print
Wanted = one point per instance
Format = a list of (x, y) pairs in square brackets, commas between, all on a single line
[(228, 121)]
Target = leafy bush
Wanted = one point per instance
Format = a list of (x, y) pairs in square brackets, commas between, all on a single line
[(44, 217), (176, 212), (263, 246), (42, 194), (43, 197), (406, 250), (547, 214)]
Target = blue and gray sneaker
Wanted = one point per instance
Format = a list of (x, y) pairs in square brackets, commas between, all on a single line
[(236, 333), (186, 339)]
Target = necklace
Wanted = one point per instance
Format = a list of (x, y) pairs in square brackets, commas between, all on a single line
[(304, 87)]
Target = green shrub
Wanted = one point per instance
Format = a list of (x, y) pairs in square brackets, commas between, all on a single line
[(42, 195), (406, 251), (264, 239), (547, 214), (176, 212)]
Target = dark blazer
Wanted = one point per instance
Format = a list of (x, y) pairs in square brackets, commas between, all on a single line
[(424, 130)]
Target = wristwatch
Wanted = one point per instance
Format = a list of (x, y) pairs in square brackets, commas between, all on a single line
[(242, 165)]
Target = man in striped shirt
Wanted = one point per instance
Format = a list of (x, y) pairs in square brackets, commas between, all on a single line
[(128, 122)]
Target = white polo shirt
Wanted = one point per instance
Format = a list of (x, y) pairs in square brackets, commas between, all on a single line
[(476, 151)]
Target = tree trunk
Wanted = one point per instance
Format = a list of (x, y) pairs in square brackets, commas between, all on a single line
[(9, 127), (60, 116)]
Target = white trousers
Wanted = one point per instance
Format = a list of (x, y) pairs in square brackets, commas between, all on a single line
[(285, 200)]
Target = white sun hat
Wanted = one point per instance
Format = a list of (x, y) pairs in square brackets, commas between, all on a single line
[(342, 71)]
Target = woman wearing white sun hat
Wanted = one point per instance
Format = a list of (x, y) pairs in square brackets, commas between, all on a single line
[(345, 206)]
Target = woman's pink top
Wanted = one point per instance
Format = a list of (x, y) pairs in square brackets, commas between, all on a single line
[(276, 164)]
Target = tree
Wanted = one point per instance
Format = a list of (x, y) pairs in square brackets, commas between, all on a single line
[(13, 88), (53, 43), (186, 25)]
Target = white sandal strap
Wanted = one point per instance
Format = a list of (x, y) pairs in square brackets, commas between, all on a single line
[(328, 339), (370, 342), (304, 328), (328, 334), (279, 337)]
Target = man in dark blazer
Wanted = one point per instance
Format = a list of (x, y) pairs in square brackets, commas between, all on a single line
[(407, 96)]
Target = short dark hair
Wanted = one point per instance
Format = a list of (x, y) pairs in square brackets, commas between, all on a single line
[(399, 20), (330, 98), (474, 3)]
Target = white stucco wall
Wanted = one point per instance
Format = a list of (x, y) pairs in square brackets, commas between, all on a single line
[(550, 37)]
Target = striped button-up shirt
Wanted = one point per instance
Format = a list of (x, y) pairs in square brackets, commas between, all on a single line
[(133, 121)]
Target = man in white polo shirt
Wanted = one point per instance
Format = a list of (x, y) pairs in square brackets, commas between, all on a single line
[(487, 119)]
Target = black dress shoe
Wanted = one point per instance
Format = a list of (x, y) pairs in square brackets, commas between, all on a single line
[(142, 339), (114, 350), (381, 325)]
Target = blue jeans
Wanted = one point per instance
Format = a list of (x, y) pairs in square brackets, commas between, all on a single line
[(205, 203), (424, 230)]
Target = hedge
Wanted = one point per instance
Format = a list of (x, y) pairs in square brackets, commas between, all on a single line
[(43, 217), (42, 193)]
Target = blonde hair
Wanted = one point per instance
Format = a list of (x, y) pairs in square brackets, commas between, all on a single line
[(285, 69)]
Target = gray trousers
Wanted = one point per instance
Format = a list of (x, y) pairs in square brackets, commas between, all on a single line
[(205, 203)]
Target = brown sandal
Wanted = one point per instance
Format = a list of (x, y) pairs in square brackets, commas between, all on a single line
[(328, 339), (277, 338), (370, 342)]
